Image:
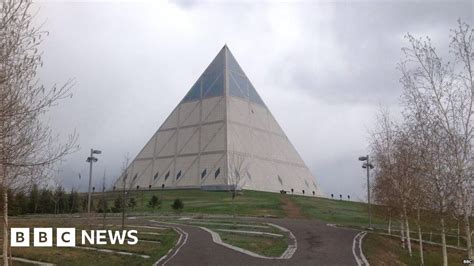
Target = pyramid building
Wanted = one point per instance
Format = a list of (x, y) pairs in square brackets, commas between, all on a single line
[(221, 135)]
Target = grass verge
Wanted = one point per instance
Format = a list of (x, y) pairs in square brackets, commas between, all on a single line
[(386, 250), (163, 240)]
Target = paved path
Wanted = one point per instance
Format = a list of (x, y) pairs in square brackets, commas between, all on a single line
[(318, 244)]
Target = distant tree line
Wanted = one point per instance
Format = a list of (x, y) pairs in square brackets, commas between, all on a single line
[(56, 200), (45, 201)]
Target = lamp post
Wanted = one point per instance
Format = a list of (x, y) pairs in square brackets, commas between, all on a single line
[(367, 165), (91, 159)]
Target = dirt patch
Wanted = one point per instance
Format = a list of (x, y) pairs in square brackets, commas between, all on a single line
[(290, 208)]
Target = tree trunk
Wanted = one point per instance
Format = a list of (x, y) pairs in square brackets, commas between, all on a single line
[(467, 228), (402, 232), (443, 243), (459, 240), (233, 208), (420, 238), (408, 235), (390, 225), (5, 222), (407, 227)]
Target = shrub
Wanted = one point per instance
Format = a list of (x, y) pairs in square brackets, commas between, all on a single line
[(103, 206), (132, 203), (177, 205), (118, 204), (154, 202)]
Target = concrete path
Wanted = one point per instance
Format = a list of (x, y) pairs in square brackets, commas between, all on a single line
[(318, 244)]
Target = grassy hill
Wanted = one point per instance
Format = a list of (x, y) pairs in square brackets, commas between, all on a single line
[(248, 203)]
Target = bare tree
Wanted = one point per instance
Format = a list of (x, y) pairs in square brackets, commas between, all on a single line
[(126, 186), (462, 130), (395, 159), (438, 97), (27, 146), (238, 167), (104, 206)]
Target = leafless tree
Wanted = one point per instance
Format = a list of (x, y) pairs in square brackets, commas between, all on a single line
[(238, 167), (438, 96), (27, 145), (125, 179), (394, 157)]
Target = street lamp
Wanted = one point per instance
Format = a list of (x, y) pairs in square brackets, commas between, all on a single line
[(91, 159), (367, 165)]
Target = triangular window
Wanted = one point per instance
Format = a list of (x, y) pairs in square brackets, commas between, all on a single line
[(213, 86)]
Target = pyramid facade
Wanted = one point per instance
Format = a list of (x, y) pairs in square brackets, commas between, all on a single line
[(221, 135)]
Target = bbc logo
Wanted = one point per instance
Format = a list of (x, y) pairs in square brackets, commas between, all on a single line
[(43, 237)]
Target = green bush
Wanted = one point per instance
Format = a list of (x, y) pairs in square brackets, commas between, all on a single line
[(103, 206), (132, 203), (154, 202), (118, 204), (177, 205)]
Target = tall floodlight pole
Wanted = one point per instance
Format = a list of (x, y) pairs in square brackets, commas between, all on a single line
[(367, 165), (91, 159)]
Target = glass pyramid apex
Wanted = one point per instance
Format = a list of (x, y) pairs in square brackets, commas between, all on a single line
[(223, 76)]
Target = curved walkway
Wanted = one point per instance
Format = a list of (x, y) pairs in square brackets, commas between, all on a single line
[(318, 244)]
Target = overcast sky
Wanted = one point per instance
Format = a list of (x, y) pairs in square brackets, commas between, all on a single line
[(322, 68)]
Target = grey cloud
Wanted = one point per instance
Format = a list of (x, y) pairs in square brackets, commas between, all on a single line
[(322, 68)]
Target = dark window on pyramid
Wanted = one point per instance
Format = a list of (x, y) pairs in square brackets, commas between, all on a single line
[(178, 175), (135, 177), (279, 179), (218, 171), (156, 176), (203, 174), (167, 175)]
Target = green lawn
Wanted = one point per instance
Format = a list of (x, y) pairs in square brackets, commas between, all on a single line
[(385, 250), (250, 203), (335, 211), (75, 256), (267, 246)]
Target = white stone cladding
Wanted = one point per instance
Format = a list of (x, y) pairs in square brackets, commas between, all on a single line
[(220, 119)]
